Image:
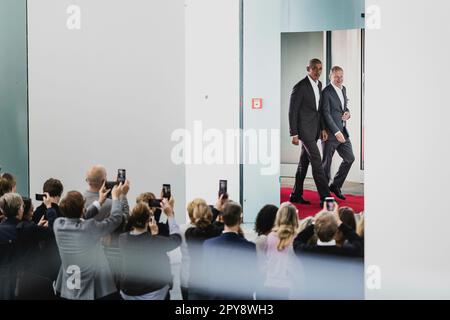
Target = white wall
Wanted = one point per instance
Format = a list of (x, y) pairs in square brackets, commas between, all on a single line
[(109, 93), (407, 150), (212, 90), (262, 66)]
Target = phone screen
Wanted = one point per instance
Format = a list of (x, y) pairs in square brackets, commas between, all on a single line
[(222, 187), (121, 175), (167, 193), (330, 203)]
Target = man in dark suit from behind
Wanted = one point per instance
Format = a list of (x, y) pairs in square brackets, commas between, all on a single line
[(230, 259), (306, 127), (335, 113)]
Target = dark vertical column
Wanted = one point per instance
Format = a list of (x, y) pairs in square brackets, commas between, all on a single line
[(328, 57)]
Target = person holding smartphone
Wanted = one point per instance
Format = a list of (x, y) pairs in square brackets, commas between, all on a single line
[(326, 224), (146, 266)]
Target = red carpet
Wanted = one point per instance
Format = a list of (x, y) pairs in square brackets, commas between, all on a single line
[(354, 202)]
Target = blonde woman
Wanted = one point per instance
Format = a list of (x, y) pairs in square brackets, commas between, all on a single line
[(195, 236), (280, 253), (185, 258)]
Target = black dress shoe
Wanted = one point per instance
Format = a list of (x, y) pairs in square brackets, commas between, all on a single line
[(337, 192), (298, 199)]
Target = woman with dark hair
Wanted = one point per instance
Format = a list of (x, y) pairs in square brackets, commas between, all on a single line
[(347, 216), (15, 241), (145, 264), (33, 279), (263, 226), (11, 205)]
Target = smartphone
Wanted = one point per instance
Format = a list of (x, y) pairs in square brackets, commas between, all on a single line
[(154, 203), (40, 197), (331, 202), (109, 185), (167, 193), (121, 176), (223, 188)]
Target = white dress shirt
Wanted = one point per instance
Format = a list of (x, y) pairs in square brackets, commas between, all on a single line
[(341, 97), (315, 85)]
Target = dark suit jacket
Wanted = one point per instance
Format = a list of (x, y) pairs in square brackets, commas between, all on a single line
[(41, 211), (231, 267), (332, 111), (304, 118), (353, 247)]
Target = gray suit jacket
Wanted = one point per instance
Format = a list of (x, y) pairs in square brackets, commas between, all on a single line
[(81, 250), (332, 111)]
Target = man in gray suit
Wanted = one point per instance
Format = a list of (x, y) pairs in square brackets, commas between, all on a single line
[(85, 273), (335, 113)]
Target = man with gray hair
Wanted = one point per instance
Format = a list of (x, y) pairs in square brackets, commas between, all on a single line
[(96, 177), (335, 113)]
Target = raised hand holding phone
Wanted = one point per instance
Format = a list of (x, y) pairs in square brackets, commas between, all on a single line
[(167, 206), (116, 191), (220, 203), (47, 200), (103, 194), (153, 226)]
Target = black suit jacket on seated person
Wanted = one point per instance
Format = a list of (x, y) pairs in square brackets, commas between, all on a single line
[(304, 117), (354, 247)]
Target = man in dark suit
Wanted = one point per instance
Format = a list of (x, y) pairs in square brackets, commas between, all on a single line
[(335, 113), (306, 126), (230, 259)]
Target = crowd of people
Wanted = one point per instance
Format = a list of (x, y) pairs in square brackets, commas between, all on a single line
[(94, 245)]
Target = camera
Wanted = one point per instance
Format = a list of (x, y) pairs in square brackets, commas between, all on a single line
[(40, 197)]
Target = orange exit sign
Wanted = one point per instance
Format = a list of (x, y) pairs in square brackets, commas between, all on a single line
[(257, 103)]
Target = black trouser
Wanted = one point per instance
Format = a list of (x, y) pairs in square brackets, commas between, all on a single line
[(185, 293), (345, 152), (310, 154)]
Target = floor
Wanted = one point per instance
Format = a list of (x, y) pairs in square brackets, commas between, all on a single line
[(348, 187)]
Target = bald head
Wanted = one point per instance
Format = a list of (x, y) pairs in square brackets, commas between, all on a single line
[(95, 177)]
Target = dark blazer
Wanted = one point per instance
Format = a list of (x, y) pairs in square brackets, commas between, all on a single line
[(42, 210), (304, 118), (195, 237), (146, 265), (353, 247), (231, 265), (332, 111)]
